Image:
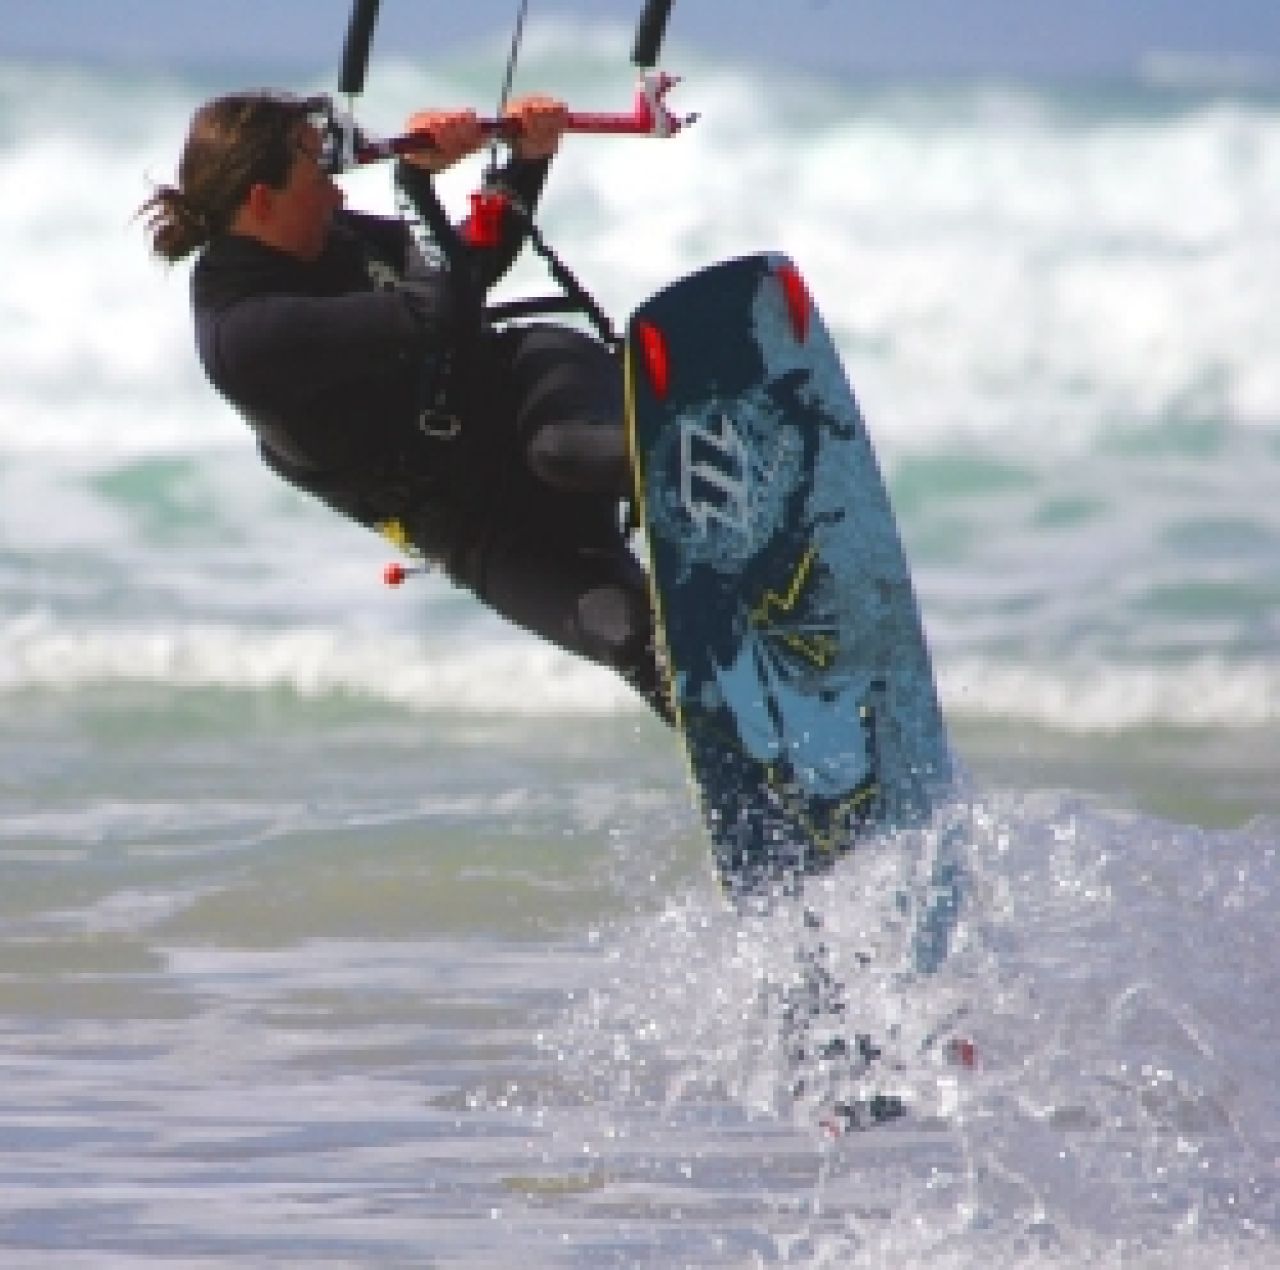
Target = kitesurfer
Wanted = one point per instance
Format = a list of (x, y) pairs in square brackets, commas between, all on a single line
[(373, 382)]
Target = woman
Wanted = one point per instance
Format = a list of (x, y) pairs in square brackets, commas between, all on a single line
[(372, 381)]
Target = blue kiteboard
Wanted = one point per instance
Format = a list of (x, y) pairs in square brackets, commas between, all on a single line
[(798, 667)]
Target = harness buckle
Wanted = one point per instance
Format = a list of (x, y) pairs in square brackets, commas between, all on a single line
[(439, 425)]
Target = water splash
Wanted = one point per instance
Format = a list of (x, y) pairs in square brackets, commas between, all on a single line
[(1116, 976)]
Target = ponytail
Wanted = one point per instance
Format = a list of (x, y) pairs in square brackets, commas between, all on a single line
[(176, 226)]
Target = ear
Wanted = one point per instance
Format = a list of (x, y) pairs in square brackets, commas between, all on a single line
[(260, 202)]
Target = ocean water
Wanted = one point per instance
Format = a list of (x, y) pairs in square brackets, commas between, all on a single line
[(346, 926)]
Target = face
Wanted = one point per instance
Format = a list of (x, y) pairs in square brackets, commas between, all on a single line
[(302, 210)]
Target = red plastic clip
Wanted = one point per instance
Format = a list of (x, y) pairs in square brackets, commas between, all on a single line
[(483, 228)]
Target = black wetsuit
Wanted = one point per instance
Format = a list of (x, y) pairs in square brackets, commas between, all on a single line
[(373, 383)]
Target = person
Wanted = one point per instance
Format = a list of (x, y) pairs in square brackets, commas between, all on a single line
[(373, 381)]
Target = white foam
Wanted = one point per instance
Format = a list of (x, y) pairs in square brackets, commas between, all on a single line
[(1121, 1098), (1092, 696), (514, 676), (492, 671), (993, 271)]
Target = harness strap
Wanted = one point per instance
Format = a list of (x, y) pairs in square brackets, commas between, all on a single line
[(577, 299), (509, 310), (573, 288)]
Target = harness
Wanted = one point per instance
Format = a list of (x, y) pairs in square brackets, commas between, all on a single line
[(497, 215)]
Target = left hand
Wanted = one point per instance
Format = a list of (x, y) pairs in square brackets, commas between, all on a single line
[(453, 134), (542, 122)]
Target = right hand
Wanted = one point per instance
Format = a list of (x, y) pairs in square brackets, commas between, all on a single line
[(454, 135)]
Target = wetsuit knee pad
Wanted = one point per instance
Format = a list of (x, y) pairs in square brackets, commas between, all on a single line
[(581, 456), (614, 626), (570, 407)]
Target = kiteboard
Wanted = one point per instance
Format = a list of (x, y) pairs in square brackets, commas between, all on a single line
[(799, 673)]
